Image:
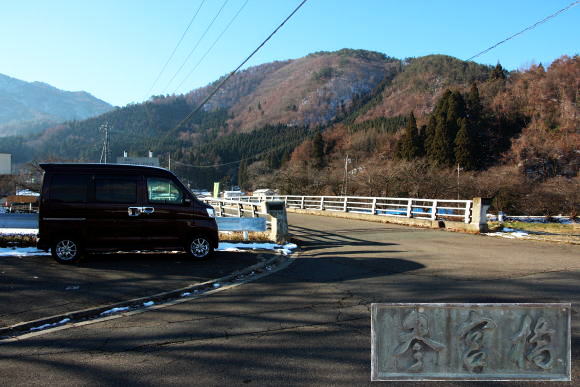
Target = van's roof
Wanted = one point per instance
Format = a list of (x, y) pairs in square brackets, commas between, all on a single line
[(52, 167)]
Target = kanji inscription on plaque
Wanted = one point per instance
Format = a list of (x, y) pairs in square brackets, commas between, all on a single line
[(470, 341)]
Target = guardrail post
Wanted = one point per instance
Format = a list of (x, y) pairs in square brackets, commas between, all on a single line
[(222, 209), (345, 207), (374, 208), (322, 203), (302, 202), (409, 208), (240, 208), (479, 213), (434, 210)]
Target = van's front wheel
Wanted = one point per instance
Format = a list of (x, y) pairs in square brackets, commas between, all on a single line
[(199, 247), (66, 250)]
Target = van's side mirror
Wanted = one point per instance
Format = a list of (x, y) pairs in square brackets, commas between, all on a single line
[(187, 202)]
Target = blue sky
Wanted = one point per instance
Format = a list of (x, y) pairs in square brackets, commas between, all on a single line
[(115, 49)]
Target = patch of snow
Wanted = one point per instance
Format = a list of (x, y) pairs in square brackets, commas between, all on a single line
[(216, 285), (45, 326), (115, 310), (19, 231), (72, 287), (185, 294), (284, 249), (21, 252), (148, 303)]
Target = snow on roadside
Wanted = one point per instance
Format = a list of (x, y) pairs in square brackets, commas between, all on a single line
[(18, 231), (284, 249), (45, 326), (509, 233), (224, 246), (21, 252)]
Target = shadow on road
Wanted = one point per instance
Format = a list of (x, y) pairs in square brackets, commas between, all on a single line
[(306, 325)]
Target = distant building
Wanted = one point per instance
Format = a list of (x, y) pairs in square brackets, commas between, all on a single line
[(149, 161), (5, 164), (201, 193), (232, 194), (264, 192)]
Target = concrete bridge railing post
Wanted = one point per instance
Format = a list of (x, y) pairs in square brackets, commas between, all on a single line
[(279, 220), (479, 213)]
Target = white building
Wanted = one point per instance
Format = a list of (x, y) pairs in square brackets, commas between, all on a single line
[(262, 192)]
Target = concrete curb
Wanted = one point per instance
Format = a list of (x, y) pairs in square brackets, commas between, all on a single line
[(78, 318)]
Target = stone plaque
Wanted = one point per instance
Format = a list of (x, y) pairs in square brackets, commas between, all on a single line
[(470, 341)]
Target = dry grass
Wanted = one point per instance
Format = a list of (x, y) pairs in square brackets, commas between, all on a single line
[(553, 228), (230, 236)]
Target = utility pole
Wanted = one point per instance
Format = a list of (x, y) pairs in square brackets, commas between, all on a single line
[(169, 166), (346, 162), (458, 169), (106, 147)]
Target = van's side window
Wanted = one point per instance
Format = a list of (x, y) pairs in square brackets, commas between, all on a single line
[(69, 188), (160, 190), (115, 190)]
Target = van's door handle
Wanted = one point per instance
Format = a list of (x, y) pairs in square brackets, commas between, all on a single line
[(147, 210), (134, 211)]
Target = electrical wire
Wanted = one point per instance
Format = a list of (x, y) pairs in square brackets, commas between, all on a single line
[(197, 44), (525, 29), (190, 115), (175, 49), (211, 47)]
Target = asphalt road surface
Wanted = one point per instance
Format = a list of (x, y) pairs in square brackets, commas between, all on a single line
[(308, 324), (36, 287)]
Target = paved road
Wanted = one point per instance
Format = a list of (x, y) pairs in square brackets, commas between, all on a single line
[(308, 324), (38, 287)]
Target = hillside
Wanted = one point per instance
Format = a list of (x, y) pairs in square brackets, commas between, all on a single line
[(292, 124), (30, 107)]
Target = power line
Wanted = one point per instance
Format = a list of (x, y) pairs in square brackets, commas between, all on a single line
[(175, 49), (526, 29), (212, 45), (197, 44), (190, 115)]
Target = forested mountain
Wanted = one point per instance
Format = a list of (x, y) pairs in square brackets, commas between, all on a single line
[(405, 125), (30, 107)]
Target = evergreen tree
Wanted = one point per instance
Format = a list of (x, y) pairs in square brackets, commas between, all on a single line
[(441, 152), (243, 180), (474, 107), (464, 152), (409, 146), (498, 72), (455, 111), (318, 150)]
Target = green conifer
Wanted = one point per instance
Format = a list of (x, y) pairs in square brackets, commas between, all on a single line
[(409, 147), (464, 146)]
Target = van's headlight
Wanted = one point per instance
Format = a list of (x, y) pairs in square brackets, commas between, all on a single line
[(210, 212)]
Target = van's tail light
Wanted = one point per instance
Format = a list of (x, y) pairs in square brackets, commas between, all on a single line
[(210, 212)]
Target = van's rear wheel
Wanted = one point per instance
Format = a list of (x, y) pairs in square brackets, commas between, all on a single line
[(199, 247), (66, 250)]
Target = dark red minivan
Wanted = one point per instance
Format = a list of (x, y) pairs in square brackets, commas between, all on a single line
[(103, 207)]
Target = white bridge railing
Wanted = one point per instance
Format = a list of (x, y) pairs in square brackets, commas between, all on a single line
[(430, 209)]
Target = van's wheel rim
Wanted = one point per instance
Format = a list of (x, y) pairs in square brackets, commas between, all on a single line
[(66, 250), (199, 247)]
